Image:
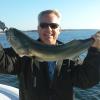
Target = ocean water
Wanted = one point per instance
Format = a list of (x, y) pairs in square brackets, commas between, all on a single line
[(65, 36)]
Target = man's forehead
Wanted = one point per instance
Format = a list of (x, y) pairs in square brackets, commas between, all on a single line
[(49, 18)]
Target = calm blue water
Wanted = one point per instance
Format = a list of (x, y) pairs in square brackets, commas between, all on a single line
[(65, 36)]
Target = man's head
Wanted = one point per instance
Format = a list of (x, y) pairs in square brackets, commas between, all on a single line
[(48, 26)]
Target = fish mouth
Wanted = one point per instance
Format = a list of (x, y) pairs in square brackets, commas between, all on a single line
[(3, 27)]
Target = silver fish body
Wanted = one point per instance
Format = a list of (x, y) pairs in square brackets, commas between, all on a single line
[(26, 46)]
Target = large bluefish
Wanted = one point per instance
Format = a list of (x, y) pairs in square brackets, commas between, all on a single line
[(24, 45)]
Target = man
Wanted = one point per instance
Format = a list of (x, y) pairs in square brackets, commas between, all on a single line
[(43, 80)]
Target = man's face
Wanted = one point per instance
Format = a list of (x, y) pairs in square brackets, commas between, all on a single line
[(49, 29)]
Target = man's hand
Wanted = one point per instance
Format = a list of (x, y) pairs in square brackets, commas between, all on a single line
[(96, 38)]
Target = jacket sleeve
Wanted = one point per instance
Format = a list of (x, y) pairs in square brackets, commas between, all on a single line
[(87, 74), (9, 61)]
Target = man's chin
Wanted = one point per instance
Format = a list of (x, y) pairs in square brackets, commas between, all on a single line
[(50, 42)]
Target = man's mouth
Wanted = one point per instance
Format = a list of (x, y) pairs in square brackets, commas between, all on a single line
[(48, 35)]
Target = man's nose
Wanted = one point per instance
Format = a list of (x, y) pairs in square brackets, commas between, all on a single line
[(49, 28)]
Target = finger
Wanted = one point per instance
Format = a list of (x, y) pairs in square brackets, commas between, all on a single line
[(98, 32)]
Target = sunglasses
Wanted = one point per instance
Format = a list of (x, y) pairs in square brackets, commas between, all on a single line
[(51, 25)]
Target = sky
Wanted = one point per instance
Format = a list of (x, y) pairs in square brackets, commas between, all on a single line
[(76, 14)]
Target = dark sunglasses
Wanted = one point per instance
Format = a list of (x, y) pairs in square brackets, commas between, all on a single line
[(46, 25)]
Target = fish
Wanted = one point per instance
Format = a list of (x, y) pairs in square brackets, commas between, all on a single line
[(26, 46)]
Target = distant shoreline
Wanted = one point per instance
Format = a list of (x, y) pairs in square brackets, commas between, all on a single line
[(61, 30), (1, 32)]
